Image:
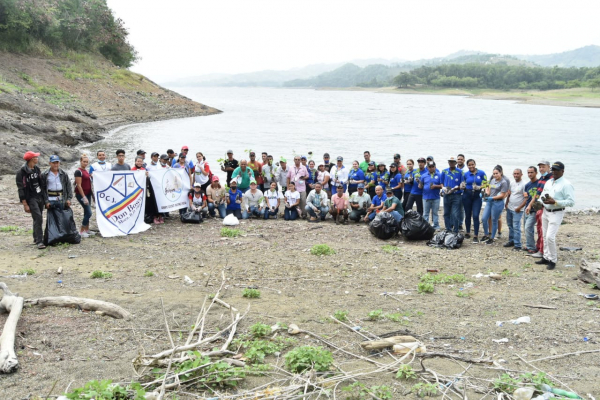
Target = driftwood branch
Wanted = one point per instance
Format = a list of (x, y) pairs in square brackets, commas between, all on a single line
[(386, 343), (104, 307), (13, 304), (455, 357), (543, 307)]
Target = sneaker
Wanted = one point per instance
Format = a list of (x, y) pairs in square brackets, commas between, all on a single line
[(508, 244), (41, 246), (489, 241), (538, 255), (345, 221), (551, 265), (460, 228), (83, 235), (542, 261), (337, 221), (485, 238), (499, 235), (517, 249), (91, 233), (467, 236), (475, 240)]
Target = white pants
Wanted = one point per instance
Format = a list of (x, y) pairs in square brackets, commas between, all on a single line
[(550, 223)]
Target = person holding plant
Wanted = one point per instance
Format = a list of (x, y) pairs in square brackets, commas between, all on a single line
[(215, 196), (371, 179), (495, 194), (408, 179), (253, 201), (383, 176), (292, 202), (475, 180), (234, 200), (355, 176), (273, 200)]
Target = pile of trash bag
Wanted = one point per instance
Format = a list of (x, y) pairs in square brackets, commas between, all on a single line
[(447, 240), (60, 227), (191, 217), (414, 226), (384, 226)]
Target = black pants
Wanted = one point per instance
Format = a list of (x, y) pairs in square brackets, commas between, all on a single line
[(36, 205), (415, 199), (357, 215)]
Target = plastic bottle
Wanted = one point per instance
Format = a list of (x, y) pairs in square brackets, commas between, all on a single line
[(523, 393)]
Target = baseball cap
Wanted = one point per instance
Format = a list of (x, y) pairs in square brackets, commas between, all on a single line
[(558, 166), (154, 154), (253, 182), (431, 164), (372, 163), (340, 158), (54, 158), (282, 159), (544, 163), (252, 153), (421, 159), (140, 152), (234, 180), (381, 164), (393, 165), (451, 159), (361, 185), (215, 178), (197, 185), (303, 158), (396, 155), (184, 148), (182, 155), (428, 157), (389, 190), (339, 186), (29, 155), (229, 151), (326, 155), (164, 157)]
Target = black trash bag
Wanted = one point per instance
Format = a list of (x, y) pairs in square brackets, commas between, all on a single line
[(438, 240), (191, 217), (148, 218), (384, 226), (447, 240), (414, 227), (60, 227)]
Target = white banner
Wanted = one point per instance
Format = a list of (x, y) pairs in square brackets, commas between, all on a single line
[(171, 187), (120, 202)]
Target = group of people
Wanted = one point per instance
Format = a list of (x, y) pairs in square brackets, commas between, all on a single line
[(315, 191)]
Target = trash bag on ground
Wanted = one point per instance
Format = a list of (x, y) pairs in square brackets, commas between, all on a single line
[(414, 226), (191, 217), (384, 226), (231, 220), (61, 227), (447, 240)]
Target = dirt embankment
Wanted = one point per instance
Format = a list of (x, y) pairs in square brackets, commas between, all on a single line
[(52, 105)]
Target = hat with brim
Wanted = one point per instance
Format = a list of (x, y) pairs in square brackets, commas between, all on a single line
[(197, 185), (54, 158), (389, 190), (229, 151), (215, 178), (361, 185), (164, 157), (558, 166), (29, 155), (421, 159), (544, 163)]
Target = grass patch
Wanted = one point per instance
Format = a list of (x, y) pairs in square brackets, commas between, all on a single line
[(304, 358), (81, 66), (259, 330), (230, 232), (51, 94), (375, 315), (341, 315), (462, 294), (26, 271), (15, 230), (148, 274), (443, 278), (251, 293), (124, 77), (388, 248), (425, 287), (321, 250), (101, 275)]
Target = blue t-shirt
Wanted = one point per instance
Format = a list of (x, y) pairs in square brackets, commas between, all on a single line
[(190, 164), (417, 174), (396, 180), (408, 186), (531, 189), (452, 179), (377, 201), (383, 179), (429, 179), (312, 176), (479, 178), (370, 177), (357, 175), (232, 198)]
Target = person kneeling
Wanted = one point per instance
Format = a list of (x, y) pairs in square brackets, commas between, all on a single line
[(272, 199), (316, 204), (339, 205), (292, 202), (198, 201), (253, 200), (234, 200), (393, 205), (376, 205), (359, 202)]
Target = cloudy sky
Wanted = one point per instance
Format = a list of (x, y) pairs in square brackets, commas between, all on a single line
[(179, 38)]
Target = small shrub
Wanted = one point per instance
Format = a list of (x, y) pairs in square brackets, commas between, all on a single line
[(341, 315), (359, 391), (506, 383), (388, 248), (105, 389), (425, 287), (308, 357), (462, 294), (375, 315), (406, 372), (251, 293), (321, 250), (424, 389), (101, 275), (9, 228), (26, 271), (230, 232), (442, 278), (148, 274), (259, 330)]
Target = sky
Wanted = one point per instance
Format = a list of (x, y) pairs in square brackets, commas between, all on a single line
[(184, 38)]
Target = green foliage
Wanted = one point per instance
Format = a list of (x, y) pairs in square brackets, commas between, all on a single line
[(26, 271), (443, 278), (14, 230), (321, 250), (230, 232), (259, 330), (406, 372), (388, 248), (359, 391), (462, 294), (101, 275), (537, 379), (106, 390), (308, 357), (375, 315), (251, 293), (148, 274), (255, 351), (341, 315), (424, 389), (82, 25), (506, 383), (425, 287)]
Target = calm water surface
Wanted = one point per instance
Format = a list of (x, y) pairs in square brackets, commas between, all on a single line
[(287, 121)]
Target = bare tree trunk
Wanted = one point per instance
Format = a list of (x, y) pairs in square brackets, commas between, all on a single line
[(13, 304)]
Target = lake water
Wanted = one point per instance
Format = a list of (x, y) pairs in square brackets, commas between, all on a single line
[(287, 121)]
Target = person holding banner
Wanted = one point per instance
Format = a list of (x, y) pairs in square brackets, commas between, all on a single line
[(215, 195), (234, 200), (181, 163), (83, 193)]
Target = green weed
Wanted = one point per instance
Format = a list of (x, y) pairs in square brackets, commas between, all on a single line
[(230, 232), (406, 372), (359, 391), (462, 294), (259, 330), (375, 315), (101, 275), (424, 389), (26, 271), (341, 315), (321, 250), (148, 274), (308, 357), (251, 293), (388, 248), (105, 389), (425, 287)]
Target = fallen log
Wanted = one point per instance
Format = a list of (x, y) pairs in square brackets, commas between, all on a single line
[(385, 343), (104, 307), (13, 304)]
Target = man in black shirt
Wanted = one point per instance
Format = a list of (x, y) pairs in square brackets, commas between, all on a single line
[(229, 165), (33, 195)]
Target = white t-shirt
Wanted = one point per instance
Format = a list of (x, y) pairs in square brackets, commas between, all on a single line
[(292, 197), (517, 194), (101, 167), (272, 197), (198, 172), (321, 177)]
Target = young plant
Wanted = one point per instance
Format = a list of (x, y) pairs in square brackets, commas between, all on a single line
[(388, 248), (26, 271), (101, 275), (424, 389), (321, 250), (230, 232), (425, 287), (406, 372), (375, 315), (303, 358), (148, 274), (462, 294), (105, 389), (360, 391), (251, 293), (259, 330), (341, 315), (506, 383)]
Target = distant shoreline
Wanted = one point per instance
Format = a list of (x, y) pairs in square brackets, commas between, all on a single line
[(578, 97)]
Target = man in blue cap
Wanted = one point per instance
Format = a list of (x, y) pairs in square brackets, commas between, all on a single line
[(58, 185), (359, 202)]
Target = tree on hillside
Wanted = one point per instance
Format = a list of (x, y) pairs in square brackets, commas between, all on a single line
[(594, 83), (405, 79)]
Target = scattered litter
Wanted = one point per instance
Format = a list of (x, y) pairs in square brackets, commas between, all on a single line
[(187, 280), (586, 339), (569, 266), (432, 270), (59, 282), (59, 270), (495, 276), (356, 328), (503, 340), (72, 256), (173, 276), (571, 248), (480, 275), (591, 296), (521, 320), (523, 393), (293, 329), (401, 292)]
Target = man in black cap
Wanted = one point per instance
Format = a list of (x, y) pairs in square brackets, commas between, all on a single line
[(557, 195), (229, 165), (142, 153), (326, 163), (154, 164), (58, 185), (172, 156)]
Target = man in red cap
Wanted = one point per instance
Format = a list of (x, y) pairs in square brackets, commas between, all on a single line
[(33, 195)]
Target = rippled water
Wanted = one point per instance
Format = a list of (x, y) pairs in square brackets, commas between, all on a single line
[(287, 121)]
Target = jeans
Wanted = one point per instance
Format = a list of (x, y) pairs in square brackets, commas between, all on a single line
[(472, 207), (397, 216), (268, 213), (322, 212), (461, 219), (356, 215), (550, 223), (36, 205), (493, 209), (415, 199), (290, 214), (243, 190), (87, 209), (252, 210), (540, 231), (530, 231), (236, 213), (372, 215), (222, 208), (432, 206), (398, 194), (452, 206), (513, 220)]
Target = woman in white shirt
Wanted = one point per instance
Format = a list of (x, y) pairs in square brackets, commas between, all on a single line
[(292, 202)]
